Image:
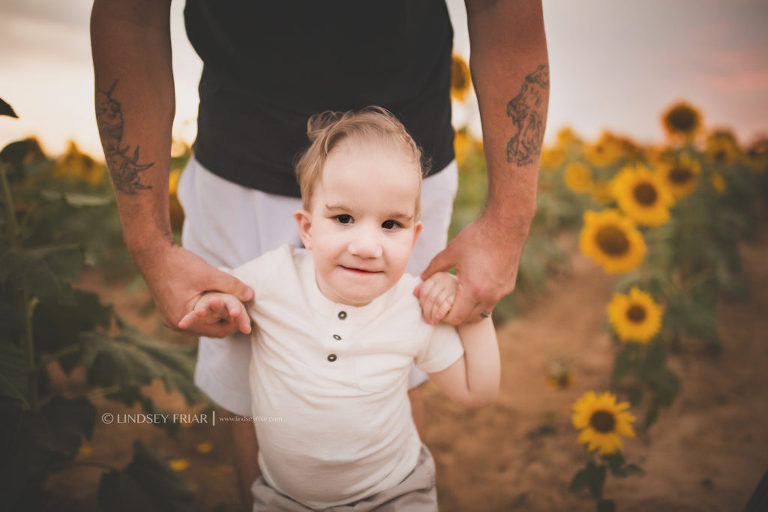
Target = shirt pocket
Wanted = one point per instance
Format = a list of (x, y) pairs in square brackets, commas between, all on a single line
[(381, 372)]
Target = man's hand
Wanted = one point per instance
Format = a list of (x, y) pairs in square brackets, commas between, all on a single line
[(486, 256), (178, 278), (436, 296), (217, 308)]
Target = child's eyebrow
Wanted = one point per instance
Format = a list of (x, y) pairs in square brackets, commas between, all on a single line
[(336, 207), (392, 215)]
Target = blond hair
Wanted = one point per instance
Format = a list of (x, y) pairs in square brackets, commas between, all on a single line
[(328, 129)]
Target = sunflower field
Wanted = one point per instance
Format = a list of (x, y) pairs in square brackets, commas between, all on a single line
[(667, 221), (663, 223)]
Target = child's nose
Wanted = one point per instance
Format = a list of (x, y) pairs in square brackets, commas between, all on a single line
[(366, 245)]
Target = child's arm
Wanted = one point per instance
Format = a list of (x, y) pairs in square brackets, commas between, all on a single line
[(473, 380), (218, 308)]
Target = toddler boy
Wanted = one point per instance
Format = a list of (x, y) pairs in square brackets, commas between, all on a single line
[(338, 326)]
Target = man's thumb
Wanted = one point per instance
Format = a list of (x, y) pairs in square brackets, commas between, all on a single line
[(442, 261), (228, 283)]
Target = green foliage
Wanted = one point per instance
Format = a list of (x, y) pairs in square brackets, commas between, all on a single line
[(52, 218), (6, 109), (594, 473), (146, 484)]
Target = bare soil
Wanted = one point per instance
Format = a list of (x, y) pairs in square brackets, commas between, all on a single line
[(706, 452)]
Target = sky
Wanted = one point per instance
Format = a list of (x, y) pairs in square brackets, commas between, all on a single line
[(614, 65)]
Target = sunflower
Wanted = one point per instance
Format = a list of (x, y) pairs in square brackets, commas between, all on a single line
[(559, 374), (602, 421), (552, 158), (612, 240), (601, 192), (642, 195), (578, 177), (464, 145), (604, 152), (179, 464), (718, 182), (460, 78), (177, 212), (682, 119), (722, 147), (679, 175), (634, 317), (757, 155), (77, 164)]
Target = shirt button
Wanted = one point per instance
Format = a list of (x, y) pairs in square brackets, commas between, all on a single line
[(342, 315), (332, 357), (337, 337)]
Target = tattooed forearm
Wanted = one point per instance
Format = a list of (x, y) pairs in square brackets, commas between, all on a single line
[(124, 167), (527, 113)]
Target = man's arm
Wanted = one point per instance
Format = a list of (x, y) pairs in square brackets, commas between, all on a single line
[(510, 72), (473, 380), (135, 107)]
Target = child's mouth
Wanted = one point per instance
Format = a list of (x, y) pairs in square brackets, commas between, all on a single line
[(359, 270)]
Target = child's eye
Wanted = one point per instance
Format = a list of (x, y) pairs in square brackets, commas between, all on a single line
[(344, 218), (390, 224)]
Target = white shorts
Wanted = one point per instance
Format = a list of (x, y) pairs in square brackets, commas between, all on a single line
[(227, 225)]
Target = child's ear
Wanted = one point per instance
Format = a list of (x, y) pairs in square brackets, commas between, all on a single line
[(304, 223), (416, 232)]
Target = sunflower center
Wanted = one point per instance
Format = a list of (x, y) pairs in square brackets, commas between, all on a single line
[(612, 240), (680, 175), (636, 313), (683, 120), (645, 194), (720, 155), (602, 421)]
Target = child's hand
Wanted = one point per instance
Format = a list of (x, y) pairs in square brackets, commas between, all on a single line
[(436, 296), (218, 308)]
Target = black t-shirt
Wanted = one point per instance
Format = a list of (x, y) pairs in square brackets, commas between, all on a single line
[(270, 64)]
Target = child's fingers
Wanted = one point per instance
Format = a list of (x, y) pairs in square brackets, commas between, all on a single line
[(445, 305)]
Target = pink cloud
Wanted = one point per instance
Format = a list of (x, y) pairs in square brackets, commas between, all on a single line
[(739, 81)]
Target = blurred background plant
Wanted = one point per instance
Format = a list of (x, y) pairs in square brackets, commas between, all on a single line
[(58, 216)]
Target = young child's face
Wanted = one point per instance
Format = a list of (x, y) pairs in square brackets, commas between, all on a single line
[(361, 226)]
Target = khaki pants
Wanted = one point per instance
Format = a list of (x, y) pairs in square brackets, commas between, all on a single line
[(416, 493)]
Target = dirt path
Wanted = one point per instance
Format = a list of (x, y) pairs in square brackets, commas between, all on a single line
[(705, 453)]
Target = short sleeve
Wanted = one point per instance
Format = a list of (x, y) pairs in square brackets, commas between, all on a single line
[(442, 350), (259, 271)]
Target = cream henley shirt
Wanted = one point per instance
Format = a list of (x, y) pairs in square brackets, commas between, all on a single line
[(329, 381)]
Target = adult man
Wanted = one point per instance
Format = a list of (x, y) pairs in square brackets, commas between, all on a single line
[(267, 67)]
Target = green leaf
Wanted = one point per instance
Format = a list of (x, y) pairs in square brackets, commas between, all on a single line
[(615, 461), (665, 384), (627, 361), (69, 420), (33, 441), (13, 374), (76, 199), (6, 109), (635, 395), (132, 360), (21, 155), (625, 471), (580, 480), (43, 272), (59, 325), (146, 484)]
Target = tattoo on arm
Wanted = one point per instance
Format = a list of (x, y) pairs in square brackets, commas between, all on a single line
[(527, 113), (123, 166)]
